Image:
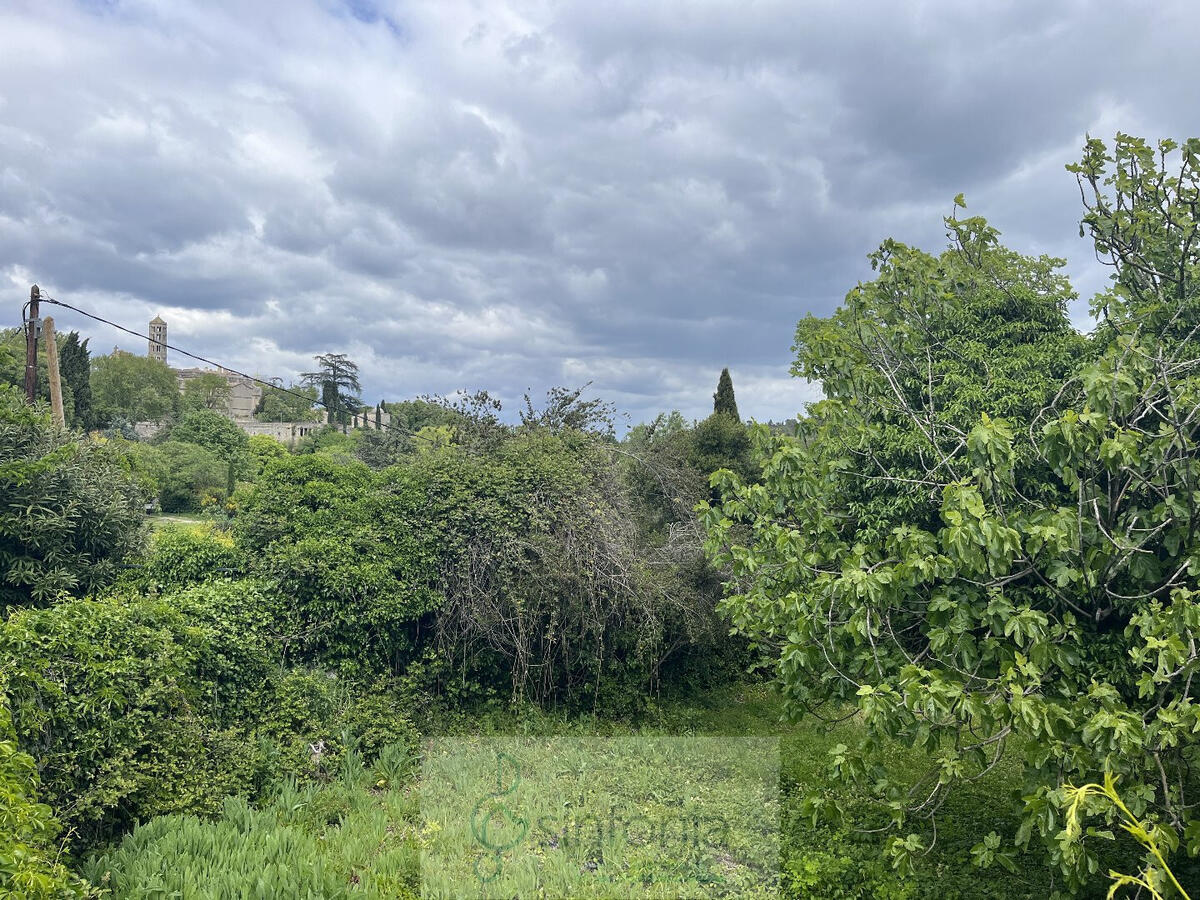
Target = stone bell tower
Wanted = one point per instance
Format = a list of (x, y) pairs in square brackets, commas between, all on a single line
[(158, 339)]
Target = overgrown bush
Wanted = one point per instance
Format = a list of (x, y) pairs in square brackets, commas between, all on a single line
[(357, 586), (542, 570), (517, 553), (192, 476)]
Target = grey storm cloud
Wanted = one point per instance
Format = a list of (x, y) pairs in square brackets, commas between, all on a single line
[(516, 195)]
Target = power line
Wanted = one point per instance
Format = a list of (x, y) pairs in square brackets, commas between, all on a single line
[(46, 299)]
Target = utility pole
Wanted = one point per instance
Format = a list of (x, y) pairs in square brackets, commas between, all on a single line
[(31, 333), (56, 404)]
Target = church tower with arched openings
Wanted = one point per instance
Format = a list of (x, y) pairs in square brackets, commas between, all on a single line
[(158, 339)]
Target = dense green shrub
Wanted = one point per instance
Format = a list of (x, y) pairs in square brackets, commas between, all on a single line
[(137, 707), (357, 587), (263, 450), (29, 868), (68, 514), (244, 624), (184, 555), (107, 694), (192, 476), (519, 557)]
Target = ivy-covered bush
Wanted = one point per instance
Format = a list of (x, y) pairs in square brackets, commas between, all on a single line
[(355, 586), (110, 697), (520, 560)]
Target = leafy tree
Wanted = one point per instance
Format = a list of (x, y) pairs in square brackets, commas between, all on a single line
[(74, 364), (137, 388), (985, 534), (142, 462), (413, 415), (263, 450), (565, 409), (380, 449), (432, 437), (283, 405), (337, 378), (664, 486), (212, 431), (68, 515), (723, 399), (12, 357), (208, 391), (191, 476)]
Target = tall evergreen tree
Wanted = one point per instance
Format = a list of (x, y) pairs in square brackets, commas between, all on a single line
[(74, 363), (723, 399)]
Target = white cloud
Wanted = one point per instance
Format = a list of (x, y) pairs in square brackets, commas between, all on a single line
[(512, 194)]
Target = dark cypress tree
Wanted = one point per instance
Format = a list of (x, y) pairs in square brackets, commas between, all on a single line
[(74, 364), (723, 399), (378, 416)]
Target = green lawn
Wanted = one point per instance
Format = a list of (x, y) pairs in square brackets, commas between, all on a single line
[(166, 520)]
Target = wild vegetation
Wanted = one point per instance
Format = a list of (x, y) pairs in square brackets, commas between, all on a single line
[(961, 590)]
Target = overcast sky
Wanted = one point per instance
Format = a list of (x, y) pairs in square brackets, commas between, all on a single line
[(512, 196)]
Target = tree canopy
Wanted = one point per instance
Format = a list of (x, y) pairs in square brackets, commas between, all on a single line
[(986, 533), (337, 379), (206, 391), (212, 431), (294, 404), (134, 388), (74, 363)]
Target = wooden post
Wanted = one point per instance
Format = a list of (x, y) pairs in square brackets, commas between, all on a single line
[(56, 404), (31, 330)]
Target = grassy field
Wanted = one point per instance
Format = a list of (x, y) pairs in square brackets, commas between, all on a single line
[(635, 816), (167, 520), (364, 831)]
